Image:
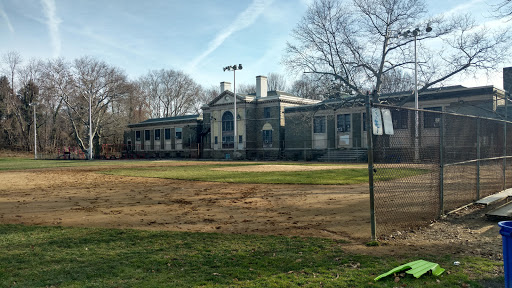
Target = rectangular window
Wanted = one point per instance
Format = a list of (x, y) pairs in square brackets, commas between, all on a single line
[(178, 133), (227, 141), (157, 134), (400, 119), (240, 139), (266, 112), (167, 134), (343, 122), (227, 125), (267, 137), (319, 124), (216, 140), (147, 135), (431, 120), (364, 121), (137, 135)]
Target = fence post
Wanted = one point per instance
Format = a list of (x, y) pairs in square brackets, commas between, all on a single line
[(441, 165), (477, 158), (370, 165), (305, 157), (505, 144)]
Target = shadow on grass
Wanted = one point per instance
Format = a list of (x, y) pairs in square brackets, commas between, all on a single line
[(86, 257)]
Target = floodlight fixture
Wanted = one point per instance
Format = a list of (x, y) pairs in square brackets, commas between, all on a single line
[(415, 34)]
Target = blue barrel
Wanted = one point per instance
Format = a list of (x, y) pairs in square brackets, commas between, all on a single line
[(506, 231)]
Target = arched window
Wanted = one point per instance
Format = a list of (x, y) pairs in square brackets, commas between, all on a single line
[(227, 130)]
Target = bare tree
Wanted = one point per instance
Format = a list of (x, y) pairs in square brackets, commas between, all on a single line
[(27, 95), (30, 72), (87, 79), (5, 91), (179, 91), (503, 9), (56, 84), (12, 59), (149, 85), (136, 107), (205, 96), (246, 88), (397, 81), (357, 42), (276, 82), (311, 86), (170, 92)]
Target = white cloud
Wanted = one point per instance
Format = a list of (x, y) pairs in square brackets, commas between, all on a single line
[(7, 21), (306, 2), (465, 7), (53, 21), (244, 20)]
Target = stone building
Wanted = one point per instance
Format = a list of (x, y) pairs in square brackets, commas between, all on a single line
[(171, 137), (335, 129), (259, 120), (277, 125)]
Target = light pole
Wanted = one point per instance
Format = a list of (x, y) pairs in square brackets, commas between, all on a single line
[(34, 104), (90, 127), (234, 68), (415, 34)]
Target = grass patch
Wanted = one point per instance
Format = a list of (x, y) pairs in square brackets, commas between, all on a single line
[(84, 257), (24, 163), (342, 176), (16, 163), (205, 171)]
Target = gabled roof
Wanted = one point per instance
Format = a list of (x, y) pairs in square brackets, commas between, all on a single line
[(271, 96), (239, 96)]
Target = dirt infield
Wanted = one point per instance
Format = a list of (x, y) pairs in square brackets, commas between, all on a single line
[(82, 197)]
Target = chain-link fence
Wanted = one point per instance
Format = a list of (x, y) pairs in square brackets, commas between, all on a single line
[(435, 162)]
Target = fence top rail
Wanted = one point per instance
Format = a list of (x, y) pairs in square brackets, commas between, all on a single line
[(476, 160), (442, 112)]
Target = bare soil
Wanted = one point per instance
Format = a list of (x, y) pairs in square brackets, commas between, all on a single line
[(84, 198)]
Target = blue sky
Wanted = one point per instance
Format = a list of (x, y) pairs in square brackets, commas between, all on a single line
[(198, 37)]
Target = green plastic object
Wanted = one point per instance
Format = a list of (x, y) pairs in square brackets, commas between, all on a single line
[(418, 268)]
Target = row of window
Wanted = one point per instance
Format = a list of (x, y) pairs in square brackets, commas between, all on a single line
[(167, 134), (400, 120)]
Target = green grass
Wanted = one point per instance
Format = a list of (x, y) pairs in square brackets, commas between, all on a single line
[(35, 256), (24, 163), (207, 173)]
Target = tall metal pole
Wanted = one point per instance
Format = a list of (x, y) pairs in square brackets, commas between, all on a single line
[(235, 132), (441, 165), (505, 144), (369, 142), (235, 140), (35, 133), (90, 127), (416, 105)]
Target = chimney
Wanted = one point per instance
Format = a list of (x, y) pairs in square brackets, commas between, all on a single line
[(261, 86), (225, 86)]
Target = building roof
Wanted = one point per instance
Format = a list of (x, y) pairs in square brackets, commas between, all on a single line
[(167, 120), (400, 98), (271, 96)]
